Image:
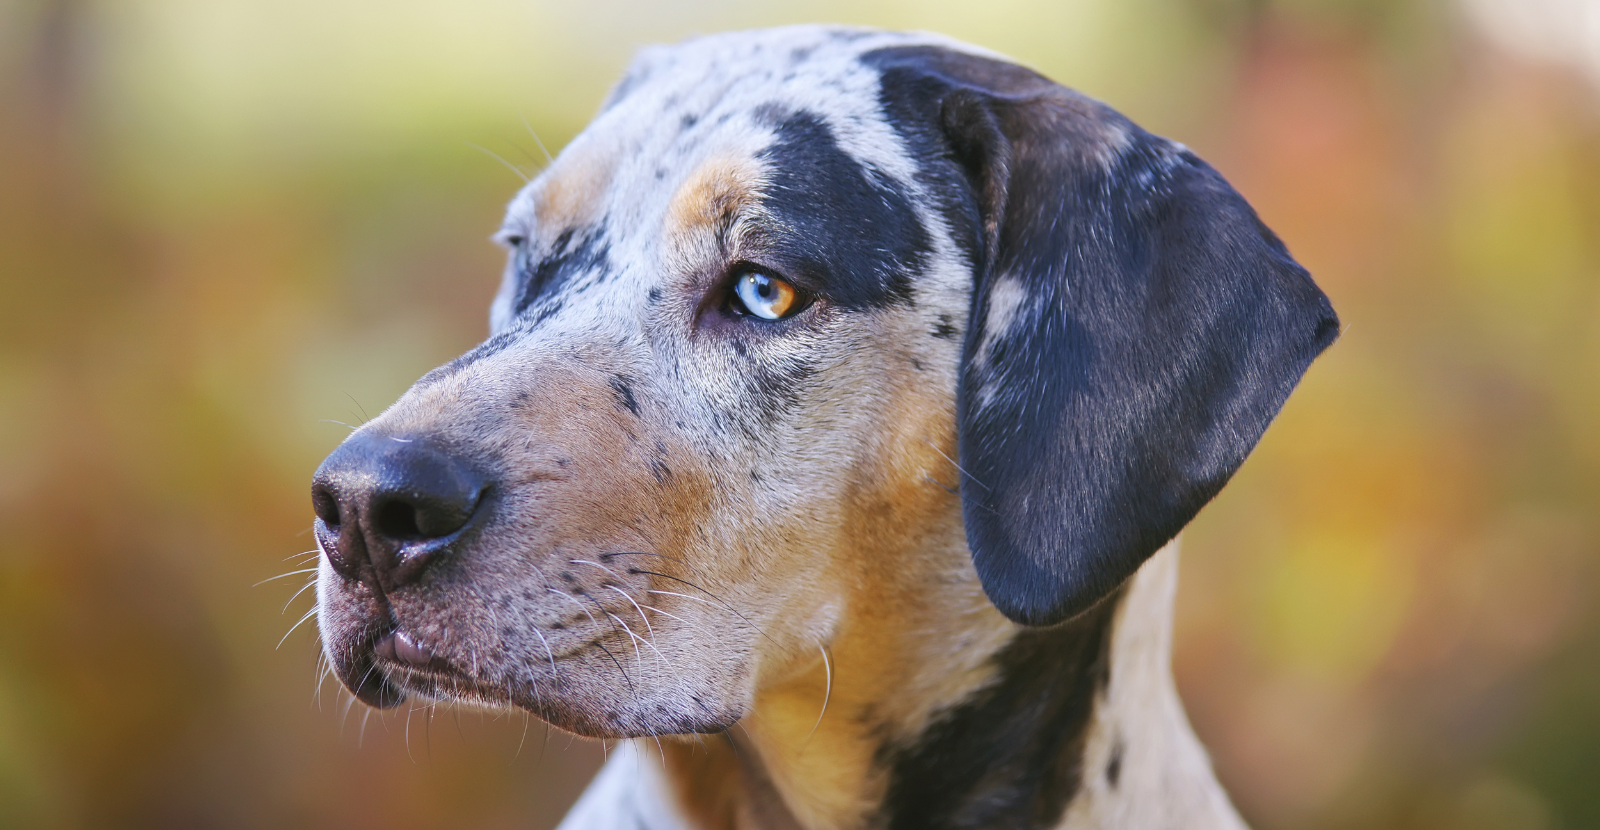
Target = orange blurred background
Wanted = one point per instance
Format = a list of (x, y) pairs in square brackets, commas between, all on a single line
[(226, 226)]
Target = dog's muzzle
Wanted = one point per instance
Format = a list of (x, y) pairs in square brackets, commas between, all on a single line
[(387, 507)]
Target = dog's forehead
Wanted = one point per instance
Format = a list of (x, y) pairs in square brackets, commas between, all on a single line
[(720, 95)]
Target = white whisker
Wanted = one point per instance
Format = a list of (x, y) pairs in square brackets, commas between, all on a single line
[(309, 615), (281, 576), (827, 692)]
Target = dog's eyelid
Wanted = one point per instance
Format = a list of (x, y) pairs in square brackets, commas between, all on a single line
[(508, 238)]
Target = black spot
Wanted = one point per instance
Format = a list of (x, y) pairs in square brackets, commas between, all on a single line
[(570, 579), (625, 399), (1114, 765), (841, 230), (688, 120), (658, 464), (654, 296), (945, 329), (568, 257), (1011, 755), (916, 364)]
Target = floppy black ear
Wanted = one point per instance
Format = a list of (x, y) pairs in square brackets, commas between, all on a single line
[(1133, 329)]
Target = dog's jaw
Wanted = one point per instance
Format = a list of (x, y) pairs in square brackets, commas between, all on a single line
[(1135, 760)]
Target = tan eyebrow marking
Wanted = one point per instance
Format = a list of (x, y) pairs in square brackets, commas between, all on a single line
[(713, 194), (570, 194)]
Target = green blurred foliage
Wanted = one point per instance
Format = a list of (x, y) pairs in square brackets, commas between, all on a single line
[(226, 226)]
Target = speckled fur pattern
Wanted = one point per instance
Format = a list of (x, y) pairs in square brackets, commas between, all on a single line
[(740, 544)]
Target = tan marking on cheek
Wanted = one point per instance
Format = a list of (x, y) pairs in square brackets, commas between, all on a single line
[(903, 505), (616, 460)]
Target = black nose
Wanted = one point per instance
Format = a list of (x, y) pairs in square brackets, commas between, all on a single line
[(387, 505)]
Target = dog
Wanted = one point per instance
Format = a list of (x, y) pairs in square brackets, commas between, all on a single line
[(845, 394)]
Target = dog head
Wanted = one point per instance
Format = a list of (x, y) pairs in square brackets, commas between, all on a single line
[(805, 319)]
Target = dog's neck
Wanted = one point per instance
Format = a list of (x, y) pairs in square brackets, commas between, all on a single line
[(975, 724)]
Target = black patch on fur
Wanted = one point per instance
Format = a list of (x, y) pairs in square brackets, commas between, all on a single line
[(570, 255), (776, 390), (944, 329), (625, 398), (1011, 755), (487, 348), (911, 98), (1114, 765), (1161, 329), (842, 230)]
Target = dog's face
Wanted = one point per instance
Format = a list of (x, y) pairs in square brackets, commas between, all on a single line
[(752, 316)]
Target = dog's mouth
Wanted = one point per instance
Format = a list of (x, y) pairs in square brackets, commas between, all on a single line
[(411, 668), (396, 665)]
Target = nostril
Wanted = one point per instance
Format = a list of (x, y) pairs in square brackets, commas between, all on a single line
[(397, 520), (413, 517), (325, 506)]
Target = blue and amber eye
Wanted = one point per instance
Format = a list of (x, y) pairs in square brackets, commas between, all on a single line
[(767, 297)]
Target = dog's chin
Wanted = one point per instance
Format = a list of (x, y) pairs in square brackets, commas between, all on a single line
[(385, 684), (360, 673)]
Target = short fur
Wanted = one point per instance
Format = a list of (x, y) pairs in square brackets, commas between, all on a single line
[(895, 555)]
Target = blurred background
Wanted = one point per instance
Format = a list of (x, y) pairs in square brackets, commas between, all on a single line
[(228, 225)]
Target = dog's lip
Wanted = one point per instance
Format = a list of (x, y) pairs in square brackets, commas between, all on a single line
[(400, 648)]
